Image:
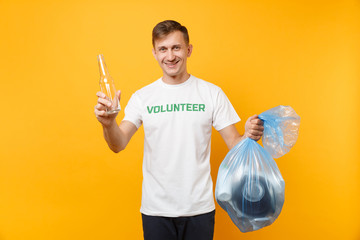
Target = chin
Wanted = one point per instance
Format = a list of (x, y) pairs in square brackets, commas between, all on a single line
[(172, 74)]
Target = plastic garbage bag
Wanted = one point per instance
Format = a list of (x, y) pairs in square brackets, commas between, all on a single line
[(249, 185), (281, 127)]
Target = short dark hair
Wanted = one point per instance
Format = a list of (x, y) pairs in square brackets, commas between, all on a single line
[(164, 28)]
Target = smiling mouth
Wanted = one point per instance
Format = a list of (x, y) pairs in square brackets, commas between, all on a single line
[(172, 65)]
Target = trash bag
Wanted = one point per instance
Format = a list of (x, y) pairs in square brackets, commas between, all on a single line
[(281, 128), (249, 185)]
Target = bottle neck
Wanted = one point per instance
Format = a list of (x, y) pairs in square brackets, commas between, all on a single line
[(102, 67)]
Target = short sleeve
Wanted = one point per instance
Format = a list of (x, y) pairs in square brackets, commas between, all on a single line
[(224, 113), (133, 111)]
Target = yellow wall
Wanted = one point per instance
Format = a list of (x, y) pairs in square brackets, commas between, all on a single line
[(58, 179)]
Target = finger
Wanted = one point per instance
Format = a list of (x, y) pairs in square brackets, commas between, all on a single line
[(257, 127), (104, 102), (100, 107), (101, 113), (100, 94), (257, 121), (253, 117), (256, 138), (256, 133)]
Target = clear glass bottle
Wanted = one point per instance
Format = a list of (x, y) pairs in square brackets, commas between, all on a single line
[(107, 86)]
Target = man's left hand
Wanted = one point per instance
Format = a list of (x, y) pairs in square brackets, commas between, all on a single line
[(254, 128)]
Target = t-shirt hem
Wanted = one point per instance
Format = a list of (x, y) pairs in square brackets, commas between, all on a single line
[(133, 122), (176, 214)]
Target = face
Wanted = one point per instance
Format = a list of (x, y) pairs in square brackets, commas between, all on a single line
[(171, 52)]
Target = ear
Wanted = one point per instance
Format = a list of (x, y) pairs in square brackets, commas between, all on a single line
[(154, 53), (189, 50)]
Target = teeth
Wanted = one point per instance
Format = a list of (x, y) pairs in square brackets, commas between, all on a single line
[(171, 65)]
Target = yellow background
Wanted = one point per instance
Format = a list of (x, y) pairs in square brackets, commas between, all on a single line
[(59, 180)]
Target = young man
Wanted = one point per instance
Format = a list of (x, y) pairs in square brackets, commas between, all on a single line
[(178, 112)]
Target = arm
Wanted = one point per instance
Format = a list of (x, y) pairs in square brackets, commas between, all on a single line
[(117, 137), (253, 129), (231, 136)]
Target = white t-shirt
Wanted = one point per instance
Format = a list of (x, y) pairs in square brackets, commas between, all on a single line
[(178, 121)]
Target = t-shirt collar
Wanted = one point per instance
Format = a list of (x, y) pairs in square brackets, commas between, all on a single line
[(188, 81)]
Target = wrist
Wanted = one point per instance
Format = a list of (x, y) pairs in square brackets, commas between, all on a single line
[(237, 140), (110, 124)]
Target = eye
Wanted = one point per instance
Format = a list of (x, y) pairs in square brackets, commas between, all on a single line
[(162, 49), (177, 47)]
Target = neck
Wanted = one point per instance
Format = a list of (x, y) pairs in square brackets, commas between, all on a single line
[(175, 79)]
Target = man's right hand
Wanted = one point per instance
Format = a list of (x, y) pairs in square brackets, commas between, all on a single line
[(100, 109)]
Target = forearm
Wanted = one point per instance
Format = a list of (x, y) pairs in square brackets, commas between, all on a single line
[(114, 137), (236, 140), (231, 136)]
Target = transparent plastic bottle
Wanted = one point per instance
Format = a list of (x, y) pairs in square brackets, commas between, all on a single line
[(107, 86)]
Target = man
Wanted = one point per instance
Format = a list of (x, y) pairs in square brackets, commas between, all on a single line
[(178, 112)]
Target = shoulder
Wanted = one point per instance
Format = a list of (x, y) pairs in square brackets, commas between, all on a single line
[(148, 88), (206, 84), (213, 91)]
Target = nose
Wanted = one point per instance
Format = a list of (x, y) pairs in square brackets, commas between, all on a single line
[(170, 56)]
